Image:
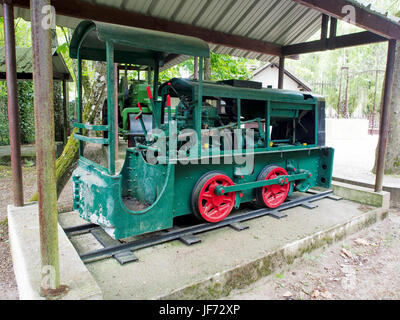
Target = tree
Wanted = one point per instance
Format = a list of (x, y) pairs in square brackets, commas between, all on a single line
[(392, 160), (217, 67)]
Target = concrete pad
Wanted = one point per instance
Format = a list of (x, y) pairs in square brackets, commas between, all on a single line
[(225, 259), (23, 225), (361, 194), (393, 189)]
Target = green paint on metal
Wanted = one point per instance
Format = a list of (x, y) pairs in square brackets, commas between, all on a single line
[(110, 106), (90, 127), (132, 45), (90, 139), (220, 190), (144, 196)]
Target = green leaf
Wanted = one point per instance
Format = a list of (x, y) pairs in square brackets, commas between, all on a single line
[(64, 49)]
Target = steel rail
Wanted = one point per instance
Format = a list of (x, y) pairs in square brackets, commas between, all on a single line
[(175, 234)]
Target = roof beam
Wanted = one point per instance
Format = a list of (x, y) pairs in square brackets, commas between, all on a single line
[(364, 17), (349, 40), (86, 10)]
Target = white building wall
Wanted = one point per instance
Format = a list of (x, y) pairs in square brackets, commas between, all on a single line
[(270, 76)]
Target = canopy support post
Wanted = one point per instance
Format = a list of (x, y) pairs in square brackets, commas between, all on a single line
[(45, 151), (281, 72), (12, 98)]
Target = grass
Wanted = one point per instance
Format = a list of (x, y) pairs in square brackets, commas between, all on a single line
[(4, 222)]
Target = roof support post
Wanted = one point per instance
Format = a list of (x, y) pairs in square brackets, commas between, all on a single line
[(332, 33), (12, 99), (281, 71), (363, 16), (45, 150), (385, 114), (155, 80), (324, 26)]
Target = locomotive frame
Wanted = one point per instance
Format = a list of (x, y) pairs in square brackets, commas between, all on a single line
[(280, 164)]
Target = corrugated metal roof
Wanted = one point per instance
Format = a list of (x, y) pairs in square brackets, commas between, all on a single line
[(276, 21), (25, 64)]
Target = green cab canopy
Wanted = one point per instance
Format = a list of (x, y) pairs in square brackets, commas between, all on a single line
[(132, 45)]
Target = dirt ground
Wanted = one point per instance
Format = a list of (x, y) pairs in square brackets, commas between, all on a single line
[(363, 266)]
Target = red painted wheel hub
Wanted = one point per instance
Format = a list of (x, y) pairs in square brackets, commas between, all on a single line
[(276, 194), (213, 207)]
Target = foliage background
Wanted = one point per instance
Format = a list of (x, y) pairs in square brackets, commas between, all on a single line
[(25, 91)]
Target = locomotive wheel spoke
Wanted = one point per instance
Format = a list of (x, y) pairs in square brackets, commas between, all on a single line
[(211, 206), (227, 200), (207, 195), (274, 195), (213, 212)]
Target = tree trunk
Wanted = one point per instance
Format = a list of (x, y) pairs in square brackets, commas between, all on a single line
[(207, 69), (392, 159), (67, 162), (392, 162)]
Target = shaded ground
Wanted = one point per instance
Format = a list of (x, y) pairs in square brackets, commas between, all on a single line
[(362, 267)]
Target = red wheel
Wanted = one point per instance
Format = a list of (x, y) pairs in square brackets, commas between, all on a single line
[(272, 196), (206, 204)]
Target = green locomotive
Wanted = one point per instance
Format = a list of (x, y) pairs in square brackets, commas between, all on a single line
[(211, 147)]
